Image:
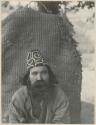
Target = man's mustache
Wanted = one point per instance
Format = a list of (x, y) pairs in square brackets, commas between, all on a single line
[(40, 84)]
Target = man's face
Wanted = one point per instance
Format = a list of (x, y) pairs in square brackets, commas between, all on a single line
[(39, 73)]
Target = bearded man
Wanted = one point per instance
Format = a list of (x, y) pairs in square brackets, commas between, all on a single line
[(40, 99)]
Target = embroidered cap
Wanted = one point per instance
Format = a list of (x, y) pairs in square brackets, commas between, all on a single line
[(35, 58)]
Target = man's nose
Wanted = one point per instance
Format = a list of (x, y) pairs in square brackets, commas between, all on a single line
[(39, 77)]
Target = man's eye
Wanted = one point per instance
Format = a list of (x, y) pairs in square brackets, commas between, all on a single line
[(34, 73), (44, 72)]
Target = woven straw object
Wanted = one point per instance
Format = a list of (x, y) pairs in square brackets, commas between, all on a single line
[(25, 30)]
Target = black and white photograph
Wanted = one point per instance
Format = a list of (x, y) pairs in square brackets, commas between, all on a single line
[(48, 62)]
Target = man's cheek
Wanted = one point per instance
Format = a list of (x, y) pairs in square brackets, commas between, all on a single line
[(46, 78), (32, 80)]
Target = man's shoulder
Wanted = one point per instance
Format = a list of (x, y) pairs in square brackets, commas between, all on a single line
[(58, 89), (59, 92), (21, 93)]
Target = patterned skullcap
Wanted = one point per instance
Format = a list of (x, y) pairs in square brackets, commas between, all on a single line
[(35, 58)]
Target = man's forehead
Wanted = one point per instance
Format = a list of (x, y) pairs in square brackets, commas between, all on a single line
[(38, 68)]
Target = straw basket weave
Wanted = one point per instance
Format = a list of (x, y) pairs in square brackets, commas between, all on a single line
[(25, 30)]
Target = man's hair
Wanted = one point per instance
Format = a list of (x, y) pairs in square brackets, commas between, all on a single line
[(52, 77)]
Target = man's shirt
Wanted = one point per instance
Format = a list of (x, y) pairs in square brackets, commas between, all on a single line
[(55, 111)]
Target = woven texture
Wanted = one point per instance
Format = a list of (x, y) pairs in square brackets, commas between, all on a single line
[(25, 30)]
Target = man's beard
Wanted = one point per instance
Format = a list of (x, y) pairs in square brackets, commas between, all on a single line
[(40, 89)]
